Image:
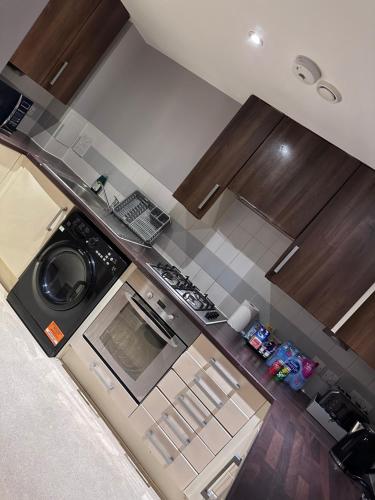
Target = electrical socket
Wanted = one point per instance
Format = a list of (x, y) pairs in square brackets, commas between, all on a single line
[(330, 377), (82, 145), (321, 366), (363, 403)]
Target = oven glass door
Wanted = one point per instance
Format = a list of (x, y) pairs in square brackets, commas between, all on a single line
[(134, 342)]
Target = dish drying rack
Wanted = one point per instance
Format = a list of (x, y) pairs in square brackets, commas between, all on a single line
[(142, 216)]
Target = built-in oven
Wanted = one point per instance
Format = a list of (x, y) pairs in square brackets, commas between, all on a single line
[(140, 334)]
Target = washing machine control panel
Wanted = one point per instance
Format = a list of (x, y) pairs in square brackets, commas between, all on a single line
[(99, 249)]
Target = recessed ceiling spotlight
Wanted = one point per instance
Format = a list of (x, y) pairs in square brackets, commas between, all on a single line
[(255, 39)]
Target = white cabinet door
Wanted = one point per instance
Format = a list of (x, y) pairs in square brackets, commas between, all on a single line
[(8, 158), (26, 211)]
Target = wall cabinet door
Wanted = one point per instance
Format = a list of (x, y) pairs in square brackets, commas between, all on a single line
[(79, 58), (54, 30), (242, 136), (292, 176), (332, 264), (66, 42), (359, 331), (29, 213)]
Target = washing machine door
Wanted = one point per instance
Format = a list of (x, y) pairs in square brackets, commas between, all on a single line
[(64, 275)]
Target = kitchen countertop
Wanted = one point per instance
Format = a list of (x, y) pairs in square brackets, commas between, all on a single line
[(289, 459)]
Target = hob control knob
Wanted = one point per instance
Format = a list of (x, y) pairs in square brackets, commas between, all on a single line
[(149, 295)]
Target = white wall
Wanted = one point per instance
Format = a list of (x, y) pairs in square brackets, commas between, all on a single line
[(16, 18), (162, 115)]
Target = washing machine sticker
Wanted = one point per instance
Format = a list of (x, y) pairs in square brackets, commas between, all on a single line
[(54, 333)]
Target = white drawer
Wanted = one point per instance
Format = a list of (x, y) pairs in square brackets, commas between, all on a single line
[(209, 391), (194, 412), (227, 377), (217, 478), (192, 409), (176, 428), (171, 385), (156, 403), (198, 454), (162, 448), (214, 435), (187, 367)]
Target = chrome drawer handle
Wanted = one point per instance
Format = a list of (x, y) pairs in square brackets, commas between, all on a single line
[(354, 308), (205, 200), (192, 410), (208, 493), (50, 225), (152, 437), (223, 372), (59, 73), (176, 429), (287, 257), (206, 389), (106, 381)]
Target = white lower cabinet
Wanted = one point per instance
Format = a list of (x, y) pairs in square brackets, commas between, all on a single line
[(217, 478), (31, 208), (191, 434)]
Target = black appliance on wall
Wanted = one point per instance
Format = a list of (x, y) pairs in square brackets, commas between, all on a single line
[(13, 108), (355, 455), (65, 281)]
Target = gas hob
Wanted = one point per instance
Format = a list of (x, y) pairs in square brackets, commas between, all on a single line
[(188, 293)]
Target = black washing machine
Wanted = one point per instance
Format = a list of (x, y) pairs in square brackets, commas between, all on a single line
[(65, 281)]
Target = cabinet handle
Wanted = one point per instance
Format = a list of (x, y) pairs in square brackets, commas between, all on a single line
[(208, 493), (192, 411), (176, 429), (287, 257), (205, 200), (223, 372), (59, 73), (106, 381), (151, 436), (50, 225), (206, 389), (354, 308)]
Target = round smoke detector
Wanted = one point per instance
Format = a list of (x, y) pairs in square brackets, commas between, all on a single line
[(306, 70), (328, 92)]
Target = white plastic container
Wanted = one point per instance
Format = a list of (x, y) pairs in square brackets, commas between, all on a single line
[(245, 313)]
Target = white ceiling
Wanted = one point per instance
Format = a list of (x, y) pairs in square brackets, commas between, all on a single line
[(209, 37)]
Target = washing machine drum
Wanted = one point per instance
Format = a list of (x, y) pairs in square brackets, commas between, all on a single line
[(63, 276)]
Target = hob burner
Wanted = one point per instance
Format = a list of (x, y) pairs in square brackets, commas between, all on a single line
[(187, 293)]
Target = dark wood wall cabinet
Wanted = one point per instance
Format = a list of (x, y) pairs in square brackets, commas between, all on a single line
[(359, 331), (276, 166), (238, 141), (331, 265), (66, 42), (292, 176)]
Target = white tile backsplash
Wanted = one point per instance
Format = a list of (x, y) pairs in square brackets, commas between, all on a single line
[(254, 250)]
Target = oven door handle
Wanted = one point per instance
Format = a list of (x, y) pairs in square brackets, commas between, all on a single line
[(150, 323)]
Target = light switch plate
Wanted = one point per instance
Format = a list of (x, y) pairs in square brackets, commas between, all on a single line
[(70, 129), (82, 145)]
